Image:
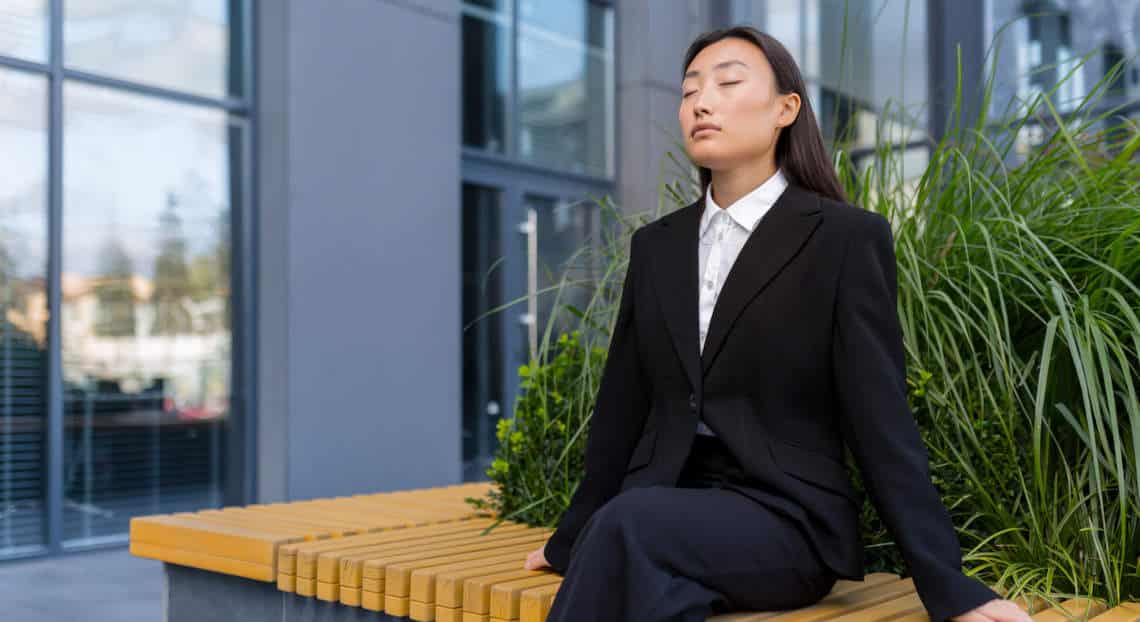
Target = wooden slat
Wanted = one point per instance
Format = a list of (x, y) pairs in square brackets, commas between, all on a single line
[(424, 580), (328, 592), (372, 601), (477, 590), (213, 563), (1125, 612), (1072, 609), (421, 611), (350, 596), (349, 569), (332, 564), (246, 541), (534, 604), (354, 568), (207, 538), (397, 576), (892, 608), (505, 596), (396, 605), (448, 614), (325, 562), (500, 538), (301, 558)]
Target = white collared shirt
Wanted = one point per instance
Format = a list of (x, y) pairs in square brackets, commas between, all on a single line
[(723, 232)]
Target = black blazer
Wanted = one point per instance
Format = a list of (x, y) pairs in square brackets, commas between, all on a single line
[(803, 354)]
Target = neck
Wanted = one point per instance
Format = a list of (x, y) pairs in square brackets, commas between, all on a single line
[(728, 185)]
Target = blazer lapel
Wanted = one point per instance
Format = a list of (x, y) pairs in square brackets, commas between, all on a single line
[(674, 262), (775, 240)]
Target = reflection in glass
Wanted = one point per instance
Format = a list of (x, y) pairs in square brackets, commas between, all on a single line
[(23, 310), (486, 74), (566, 91), (145, 319), (564, 229), (864, 59), (483, 403), (24, 29), (577, 21), (782, 21), (188, 46)]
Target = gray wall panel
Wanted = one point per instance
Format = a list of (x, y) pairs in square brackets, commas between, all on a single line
[(370, 250)]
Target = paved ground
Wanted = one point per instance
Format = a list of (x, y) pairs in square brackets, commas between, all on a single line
[(103, 586)]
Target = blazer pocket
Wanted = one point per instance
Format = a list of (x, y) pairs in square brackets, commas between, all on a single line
[(643, 451), (813, 467)]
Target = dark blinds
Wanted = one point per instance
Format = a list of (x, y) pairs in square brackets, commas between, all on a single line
[(22, 426)]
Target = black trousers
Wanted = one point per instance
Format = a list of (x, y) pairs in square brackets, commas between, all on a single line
[(683, 553)]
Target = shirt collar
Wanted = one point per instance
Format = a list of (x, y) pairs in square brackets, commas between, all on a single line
[(748, 209)]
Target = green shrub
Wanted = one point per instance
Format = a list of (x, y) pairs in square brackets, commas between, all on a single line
[(541, 448)]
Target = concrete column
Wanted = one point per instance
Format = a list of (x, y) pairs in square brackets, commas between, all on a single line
[(651, 44)]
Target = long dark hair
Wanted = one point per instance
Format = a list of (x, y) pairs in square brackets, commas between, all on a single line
[(799, 149)]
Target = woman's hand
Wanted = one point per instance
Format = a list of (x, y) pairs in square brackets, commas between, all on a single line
[(996, 610), (536, 559)]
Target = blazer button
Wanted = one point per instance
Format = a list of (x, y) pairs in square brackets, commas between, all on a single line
[(692, 401)]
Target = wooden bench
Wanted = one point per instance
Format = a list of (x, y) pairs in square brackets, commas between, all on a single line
[(423, 555)]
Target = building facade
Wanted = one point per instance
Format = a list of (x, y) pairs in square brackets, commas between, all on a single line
[(263, 251)]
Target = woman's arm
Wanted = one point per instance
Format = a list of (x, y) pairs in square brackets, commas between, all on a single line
[(618, 420), (879, 428)]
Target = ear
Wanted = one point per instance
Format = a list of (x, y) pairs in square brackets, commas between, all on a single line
[(789, 109)]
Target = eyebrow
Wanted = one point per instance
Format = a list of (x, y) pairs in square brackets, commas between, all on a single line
[(694, 73)]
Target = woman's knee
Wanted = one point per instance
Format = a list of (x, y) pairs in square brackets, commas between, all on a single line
[(616, 518)]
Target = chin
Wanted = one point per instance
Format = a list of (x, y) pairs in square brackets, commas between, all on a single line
[(703, 158), (704, 154)]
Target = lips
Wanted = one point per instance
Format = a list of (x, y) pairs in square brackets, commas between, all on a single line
[(702, 127)]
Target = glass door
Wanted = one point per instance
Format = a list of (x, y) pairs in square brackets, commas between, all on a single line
[(518, 246), (483, 327), (559, 273)]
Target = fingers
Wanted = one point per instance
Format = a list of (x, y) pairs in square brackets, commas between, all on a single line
[(1006, 611), (535, 560), (975, 615)]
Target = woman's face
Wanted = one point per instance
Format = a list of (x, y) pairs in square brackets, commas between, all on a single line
[(730, 85)]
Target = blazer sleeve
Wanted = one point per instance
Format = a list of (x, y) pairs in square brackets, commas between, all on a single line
[(618, 420), (879, 428)]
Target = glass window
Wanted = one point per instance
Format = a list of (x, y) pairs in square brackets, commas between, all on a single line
[(483, 403), (24, 29), (145, 318), (23, 309), (486, 75), (188, 45), (566, 116), (872, 69), (1111, 54)]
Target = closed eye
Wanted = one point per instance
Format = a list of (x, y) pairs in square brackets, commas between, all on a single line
[(722, 84)]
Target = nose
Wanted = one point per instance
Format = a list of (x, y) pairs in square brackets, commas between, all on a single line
[(700, 103)]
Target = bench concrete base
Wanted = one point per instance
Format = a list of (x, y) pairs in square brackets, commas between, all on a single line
[(194, 595)]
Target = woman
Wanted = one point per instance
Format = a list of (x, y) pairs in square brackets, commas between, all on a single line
[(757, 334)]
